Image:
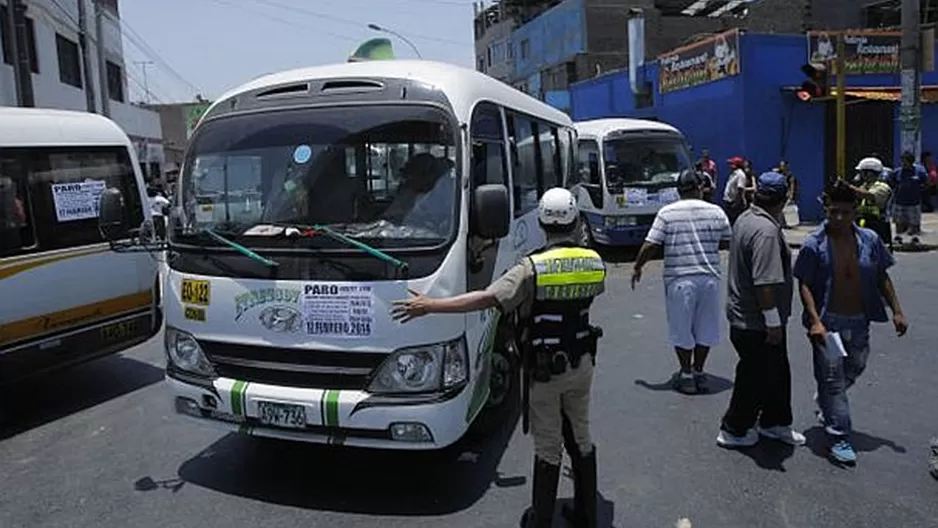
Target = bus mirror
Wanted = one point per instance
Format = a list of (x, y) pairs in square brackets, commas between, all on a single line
[(490, 215), (111, 215)]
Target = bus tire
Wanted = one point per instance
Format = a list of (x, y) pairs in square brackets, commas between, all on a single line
[(504, 382), (584, 233)]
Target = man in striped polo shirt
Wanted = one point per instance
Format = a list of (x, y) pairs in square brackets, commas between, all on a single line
[(690, 231)]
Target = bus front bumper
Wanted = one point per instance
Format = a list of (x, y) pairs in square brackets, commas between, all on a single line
[(336, 417)]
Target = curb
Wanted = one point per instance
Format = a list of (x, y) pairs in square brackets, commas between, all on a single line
[(904, 248)]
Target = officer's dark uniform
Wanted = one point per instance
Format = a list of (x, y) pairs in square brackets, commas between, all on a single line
[(554, 289)]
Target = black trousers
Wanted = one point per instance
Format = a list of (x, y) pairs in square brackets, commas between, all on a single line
[(762, 389)]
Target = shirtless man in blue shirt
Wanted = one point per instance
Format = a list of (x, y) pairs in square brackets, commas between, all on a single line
[(843, 280)]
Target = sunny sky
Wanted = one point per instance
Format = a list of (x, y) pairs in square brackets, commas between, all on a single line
[(209, 46)]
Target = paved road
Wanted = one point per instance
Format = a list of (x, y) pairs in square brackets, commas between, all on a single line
[(102, 449)]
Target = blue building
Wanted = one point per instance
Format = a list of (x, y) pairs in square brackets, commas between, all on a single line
[(750, 109)]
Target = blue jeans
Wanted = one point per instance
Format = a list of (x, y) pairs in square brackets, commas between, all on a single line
[(835, 373)]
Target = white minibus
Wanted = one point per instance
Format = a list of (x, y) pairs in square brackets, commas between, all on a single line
[(64, 297), (309, 201)]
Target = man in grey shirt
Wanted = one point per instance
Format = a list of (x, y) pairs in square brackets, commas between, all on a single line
[(758, 306)]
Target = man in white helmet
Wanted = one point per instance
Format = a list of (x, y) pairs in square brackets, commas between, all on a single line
[(552, 291), (874, 194)]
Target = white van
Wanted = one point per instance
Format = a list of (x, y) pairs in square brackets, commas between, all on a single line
[(627, 171), (64, 297), (310, 201)]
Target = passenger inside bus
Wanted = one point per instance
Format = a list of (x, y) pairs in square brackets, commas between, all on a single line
[(12, 215), (424, 198)]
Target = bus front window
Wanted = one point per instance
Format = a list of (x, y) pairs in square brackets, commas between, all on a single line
[(643, 162), (387, 175)]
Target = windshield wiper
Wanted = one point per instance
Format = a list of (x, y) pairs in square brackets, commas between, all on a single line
[(291, 230), (240, 249)]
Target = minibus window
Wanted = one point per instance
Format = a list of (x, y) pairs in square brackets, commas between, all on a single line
[(64, 186)]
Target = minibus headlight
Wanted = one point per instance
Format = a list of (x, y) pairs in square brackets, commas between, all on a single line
[(423, 369), (184, 352)]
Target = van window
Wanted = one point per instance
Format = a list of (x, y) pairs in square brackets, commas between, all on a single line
[(488, 147), (550, 159), (525, 165), (16, 229), (64, 186), (588, 163)]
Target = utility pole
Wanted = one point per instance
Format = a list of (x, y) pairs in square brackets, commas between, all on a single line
[(102, 59), (910, 111), (146, 85), (88, 74), (841, 102), (16, 28)]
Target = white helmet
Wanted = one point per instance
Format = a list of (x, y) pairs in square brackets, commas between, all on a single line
[(870, 164), (557, 207)]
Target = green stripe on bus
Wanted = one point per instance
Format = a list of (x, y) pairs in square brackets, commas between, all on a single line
[(237, 397), (332, 408)]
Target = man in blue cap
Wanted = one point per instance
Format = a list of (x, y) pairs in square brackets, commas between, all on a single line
[(758, 305)]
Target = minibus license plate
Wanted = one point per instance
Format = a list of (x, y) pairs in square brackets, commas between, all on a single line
[(282, 414), (119, 331)]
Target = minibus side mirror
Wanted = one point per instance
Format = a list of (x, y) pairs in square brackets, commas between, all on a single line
[(490, 213), (111, 216)]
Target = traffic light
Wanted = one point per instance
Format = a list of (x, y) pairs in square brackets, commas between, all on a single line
[(817, 85)]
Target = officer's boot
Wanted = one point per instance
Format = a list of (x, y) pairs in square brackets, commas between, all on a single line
[(584, 512), (544, 496), (570, 513)]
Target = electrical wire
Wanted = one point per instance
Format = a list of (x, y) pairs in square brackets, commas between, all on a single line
[(346, 21), (262, 14), (130, 34)]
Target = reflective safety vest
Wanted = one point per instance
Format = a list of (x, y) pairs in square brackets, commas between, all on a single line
[(868, 209), (567, 278)]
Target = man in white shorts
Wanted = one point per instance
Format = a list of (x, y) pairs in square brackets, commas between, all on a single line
[(690, 231)]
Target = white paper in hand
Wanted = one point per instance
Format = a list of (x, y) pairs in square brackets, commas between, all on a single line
[(834, 342)]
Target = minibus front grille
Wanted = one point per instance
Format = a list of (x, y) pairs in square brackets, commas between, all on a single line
[(290, 367)]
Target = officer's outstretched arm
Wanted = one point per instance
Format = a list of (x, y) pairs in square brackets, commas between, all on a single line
[(420, 305)]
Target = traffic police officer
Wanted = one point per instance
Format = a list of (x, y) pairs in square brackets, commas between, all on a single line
[(552, 291), (874, 195)]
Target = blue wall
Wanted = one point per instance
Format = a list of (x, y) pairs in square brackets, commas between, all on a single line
[(747, 115), (555, 36)]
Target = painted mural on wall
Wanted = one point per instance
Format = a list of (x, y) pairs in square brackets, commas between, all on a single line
[(699, 63), (867, 52)]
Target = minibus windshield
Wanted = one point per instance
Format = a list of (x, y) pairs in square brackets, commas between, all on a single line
[(385, 175)]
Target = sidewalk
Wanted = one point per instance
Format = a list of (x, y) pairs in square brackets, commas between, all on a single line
[(928, 239)]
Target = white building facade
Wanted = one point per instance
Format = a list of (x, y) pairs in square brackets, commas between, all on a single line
[(58, 74)]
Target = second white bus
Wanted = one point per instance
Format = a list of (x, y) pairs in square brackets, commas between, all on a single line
[(626, 171)]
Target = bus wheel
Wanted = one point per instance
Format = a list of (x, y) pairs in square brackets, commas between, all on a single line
[(501, 379), (584, 233), (506, 362)]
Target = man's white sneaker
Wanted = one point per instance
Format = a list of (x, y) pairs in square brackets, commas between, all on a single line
[(730, 441), (784, 434)]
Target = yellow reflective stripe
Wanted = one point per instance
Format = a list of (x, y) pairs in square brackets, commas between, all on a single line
[(566, 252), (569, 279)]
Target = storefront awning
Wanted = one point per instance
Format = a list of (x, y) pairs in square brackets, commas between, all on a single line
[(888, 93)]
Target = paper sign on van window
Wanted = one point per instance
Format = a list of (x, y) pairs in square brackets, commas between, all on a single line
[(77, 201), (636, 197), (668, 195), (338, 310)]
